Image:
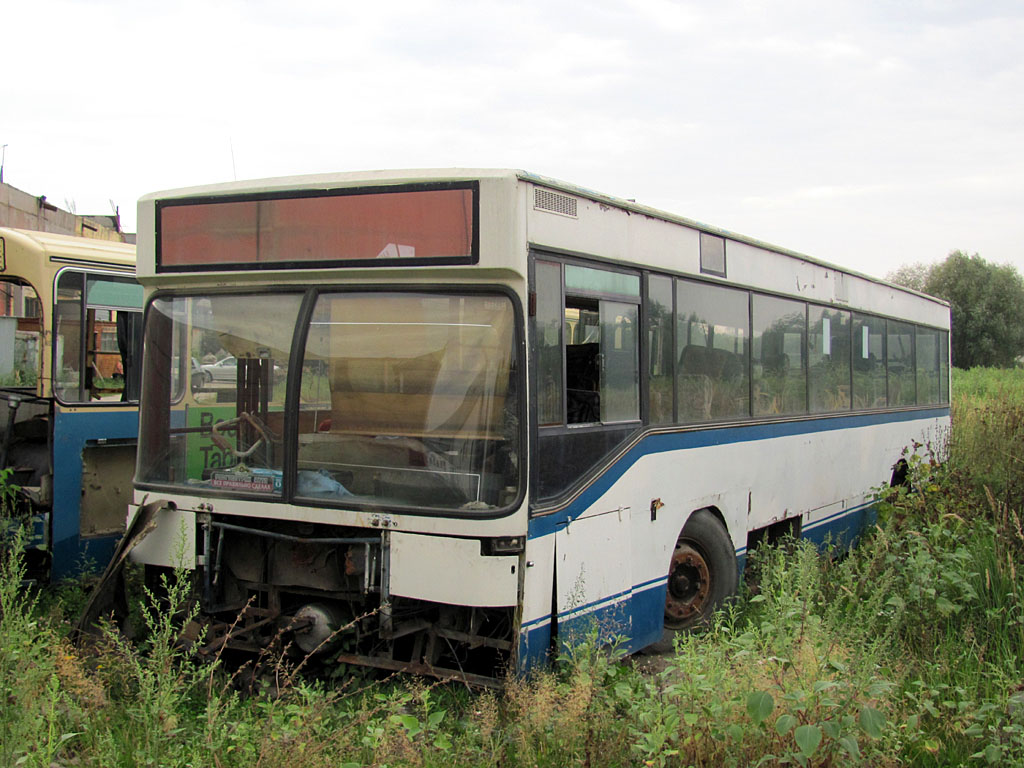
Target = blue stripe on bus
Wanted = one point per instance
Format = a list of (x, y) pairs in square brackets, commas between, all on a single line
[(641, 609), (544, 525), (660, 581), (645, 602), (842, 529)]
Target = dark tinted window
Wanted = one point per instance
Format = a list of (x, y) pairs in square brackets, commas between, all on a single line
[(547, 334), (902, 383), (868, 362), (661, 349), (780, 385), (927, 366), (828, 359), (712, 341)]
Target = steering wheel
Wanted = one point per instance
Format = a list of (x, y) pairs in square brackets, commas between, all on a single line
[(266, 436)]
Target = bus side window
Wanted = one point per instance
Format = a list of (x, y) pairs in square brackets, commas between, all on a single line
[(67, 370), (96, 355), (712, 352), (582, 363), (780, 380), (661, 345), (20, 331), (548, 326), (601, 361), (619, 362), (104, 371)]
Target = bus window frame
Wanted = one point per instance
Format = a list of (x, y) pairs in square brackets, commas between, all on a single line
[(55, 391), (310, 294), (597, 432), (568, 294), (545, 504), (18, 280)]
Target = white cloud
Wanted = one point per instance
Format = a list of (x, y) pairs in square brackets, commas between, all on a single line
[(858, 131)]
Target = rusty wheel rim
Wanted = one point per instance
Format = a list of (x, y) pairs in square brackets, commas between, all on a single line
[(689, 583)]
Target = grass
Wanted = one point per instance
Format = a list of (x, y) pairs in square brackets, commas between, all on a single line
[(907, 651)]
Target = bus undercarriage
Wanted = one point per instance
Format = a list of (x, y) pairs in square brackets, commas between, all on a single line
[(318, 590)]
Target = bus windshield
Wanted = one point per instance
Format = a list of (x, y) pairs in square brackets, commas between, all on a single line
[(404, 399)]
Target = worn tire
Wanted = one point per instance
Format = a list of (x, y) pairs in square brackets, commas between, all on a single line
[(702, 576)]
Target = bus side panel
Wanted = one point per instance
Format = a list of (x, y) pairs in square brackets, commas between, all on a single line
[(660, 516), (820, 470), (840, 528), (538, 590), (593, 573), (73, 432)]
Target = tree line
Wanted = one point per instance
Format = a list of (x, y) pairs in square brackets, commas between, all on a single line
[(986, 303)]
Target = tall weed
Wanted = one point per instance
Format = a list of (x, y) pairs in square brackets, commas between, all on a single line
[(908, 650), (38, 717), (987, 443)]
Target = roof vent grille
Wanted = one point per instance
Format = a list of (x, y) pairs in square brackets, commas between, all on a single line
[(546, 200)]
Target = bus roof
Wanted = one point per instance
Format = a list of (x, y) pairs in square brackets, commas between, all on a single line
[(329, 181), (70, 248)]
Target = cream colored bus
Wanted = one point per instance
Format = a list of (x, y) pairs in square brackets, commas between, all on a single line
[(70, 359)]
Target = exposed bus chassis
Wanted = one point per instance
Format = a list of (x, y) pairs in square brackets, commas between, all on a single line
[(318, 590)]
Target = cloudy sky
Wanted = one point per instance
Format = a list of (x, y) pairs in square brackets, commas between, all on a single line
[(869, 133)]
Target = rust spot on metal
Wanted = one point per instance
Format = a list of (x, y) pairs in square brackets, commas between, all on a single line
[(689, 583)]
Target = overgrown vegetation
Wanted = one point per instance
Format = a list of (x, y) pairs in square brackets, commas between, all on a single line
[(907, 651)]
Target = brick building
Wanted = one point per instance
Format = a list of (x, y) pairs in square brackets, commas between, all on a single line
[(21, 210)]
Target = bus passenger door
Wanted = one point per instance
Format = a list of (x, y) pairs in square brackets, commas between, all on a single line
[(593, 577)]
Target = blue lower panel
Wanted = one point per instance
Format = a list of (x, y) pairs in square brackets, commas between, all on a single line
[(609, 622), (841, 530), (71, 553), (635, 619), (534, 646), (648, 609), (631, 622)]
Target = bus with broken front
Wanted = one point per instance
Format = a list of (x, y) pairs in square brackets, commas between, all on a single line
[(70, 358), (477, 414)]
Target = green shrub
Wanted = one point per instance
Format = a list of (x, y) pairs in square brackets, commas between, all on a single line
[(908, 650)]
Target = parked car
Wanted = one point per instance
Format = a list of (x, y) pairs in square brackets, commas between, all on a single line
[(226, 369)]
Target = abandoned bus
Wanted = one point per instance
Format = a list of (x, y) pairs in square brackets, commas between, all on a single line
[(477, 413), (70, 358)]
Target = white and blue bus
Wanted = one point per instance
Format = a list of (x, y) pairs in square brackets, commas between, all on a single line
[(70, 363), (477, 413)]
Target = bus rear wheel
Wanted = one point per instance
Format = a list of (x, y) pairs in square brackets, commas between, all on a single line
[(702, 574)]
